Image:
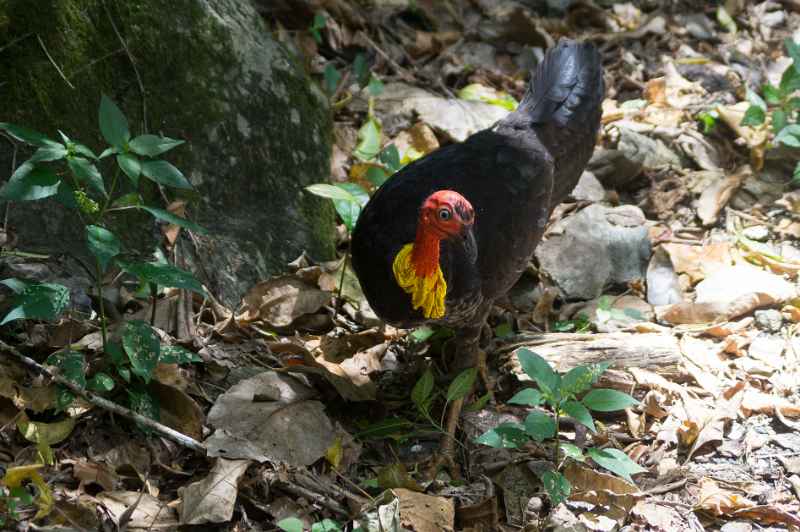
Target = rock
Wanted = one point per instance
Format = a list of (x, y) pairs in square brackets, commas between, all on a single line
[(768, 348), (588, 189), (456, 119), (651, 153), (613, 168), (257, 129), (760, 233), (663, 284), (769, 320), (616, 240), (698, 25)]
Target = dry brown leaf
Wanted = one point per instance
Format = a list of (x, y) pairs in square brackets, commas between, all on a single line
[(278, 302), (718, 501), (714, 198), (94, 472), (425, 513), (149, 512), (212, 499), (699, 261), (758, 402)]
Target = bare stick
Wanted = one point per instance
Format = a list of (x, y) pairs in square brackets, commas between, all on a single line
[(105, 404), (52, 62)]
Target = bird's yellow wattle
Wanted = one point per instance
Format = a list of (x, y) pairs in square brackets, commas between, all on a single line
[(427, 292)]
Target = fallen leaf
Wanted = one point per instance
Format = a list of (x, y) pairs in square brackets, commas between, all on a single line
[(212, 499)]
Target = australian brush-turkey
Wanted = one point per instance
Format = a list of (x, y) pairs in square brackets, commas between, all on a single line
[(451, 232)]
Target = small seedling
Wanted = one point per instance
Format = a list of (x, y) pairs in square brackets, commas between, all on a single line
[(564, 395), (80, 185)]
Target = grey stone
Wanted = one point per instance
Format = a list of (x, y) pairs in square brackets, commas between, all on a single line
[(588, 189), (759, 233), (597, 247), (769, 320), (258, 130)]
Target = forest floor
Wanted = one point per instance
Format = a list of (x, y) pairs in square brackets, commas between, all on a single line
[(307, 413)]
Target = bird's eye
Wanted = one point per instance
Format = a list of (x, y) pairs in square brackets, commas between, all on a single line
[(444, 214)]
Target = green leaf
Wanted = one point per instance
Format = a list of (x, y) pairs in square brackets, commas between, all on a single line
[(290, 524), (131, 166), (790, 80), (479, 403), (26, 135), (606, 400), (369, 140), (166, 174), (113, 124), (128, 200), (793, 49), (779, 120), (350, 210), (375, 86), (361, 69), (796, 174), (143, 348), (390, 156), (324, 190), (86, 172), (45, 301), (754, 116), (101, 382), (84, 150), (581, 378), (504, 436), (319, 21), (557, 487), (30, 183), (422, 333), (163, 274), (789, 135), (709, 120), (125, 373), (504, 330), (772, 94), (756, 100), (145, 404), (71, 365), (103, 244), (54, 152), (167, 216), (572, 451), (330, 78), (794, 103), (326, 525), (376, 175), (175, 354), (579, 413), (394, 427), (725, 20), (422, 390), (461, 385), (540, 426), (526, 397), (153, 145), (108, 151), (540, 371), (615, 461)]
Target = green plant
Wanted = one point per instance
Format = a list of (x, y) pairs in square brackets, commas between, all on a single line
[(79, 184), (781, 104), (293, 524), (564, 394)]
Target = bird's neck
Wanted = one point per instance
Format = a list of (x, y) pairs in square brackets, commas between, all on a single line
[(425, 254)]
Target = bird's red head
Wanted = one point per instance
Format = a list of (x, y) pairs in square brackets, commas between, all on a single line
[(445, 213)]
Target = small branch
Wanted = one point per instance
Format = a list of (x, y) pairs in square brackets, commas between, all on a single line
[(52, 62), (15, 41), (103, 320), (98, 60), (8, 203), (163, 430), (341, 284)]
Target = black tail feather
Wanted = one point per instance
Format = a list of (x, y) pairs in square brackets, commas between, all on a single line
[(567, 87)]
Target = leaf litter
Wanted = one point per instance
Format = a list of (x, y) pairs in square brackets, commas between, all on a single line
[(303, 399)]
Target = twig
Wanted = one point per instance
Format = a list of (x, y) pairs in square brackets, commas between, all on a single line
[(15, 41), (133, 64), (90, 64), (52, 62), (405, 74), (341, 284), (181, 439), (659, 490), (319, 498)]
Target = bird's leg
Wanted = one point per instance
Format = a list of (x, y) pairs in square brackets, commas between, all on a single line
[(469, 355), (483, 371)]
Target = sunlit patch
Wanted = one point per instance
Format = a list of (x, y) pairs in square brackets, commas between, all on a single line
[(427, 292)]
